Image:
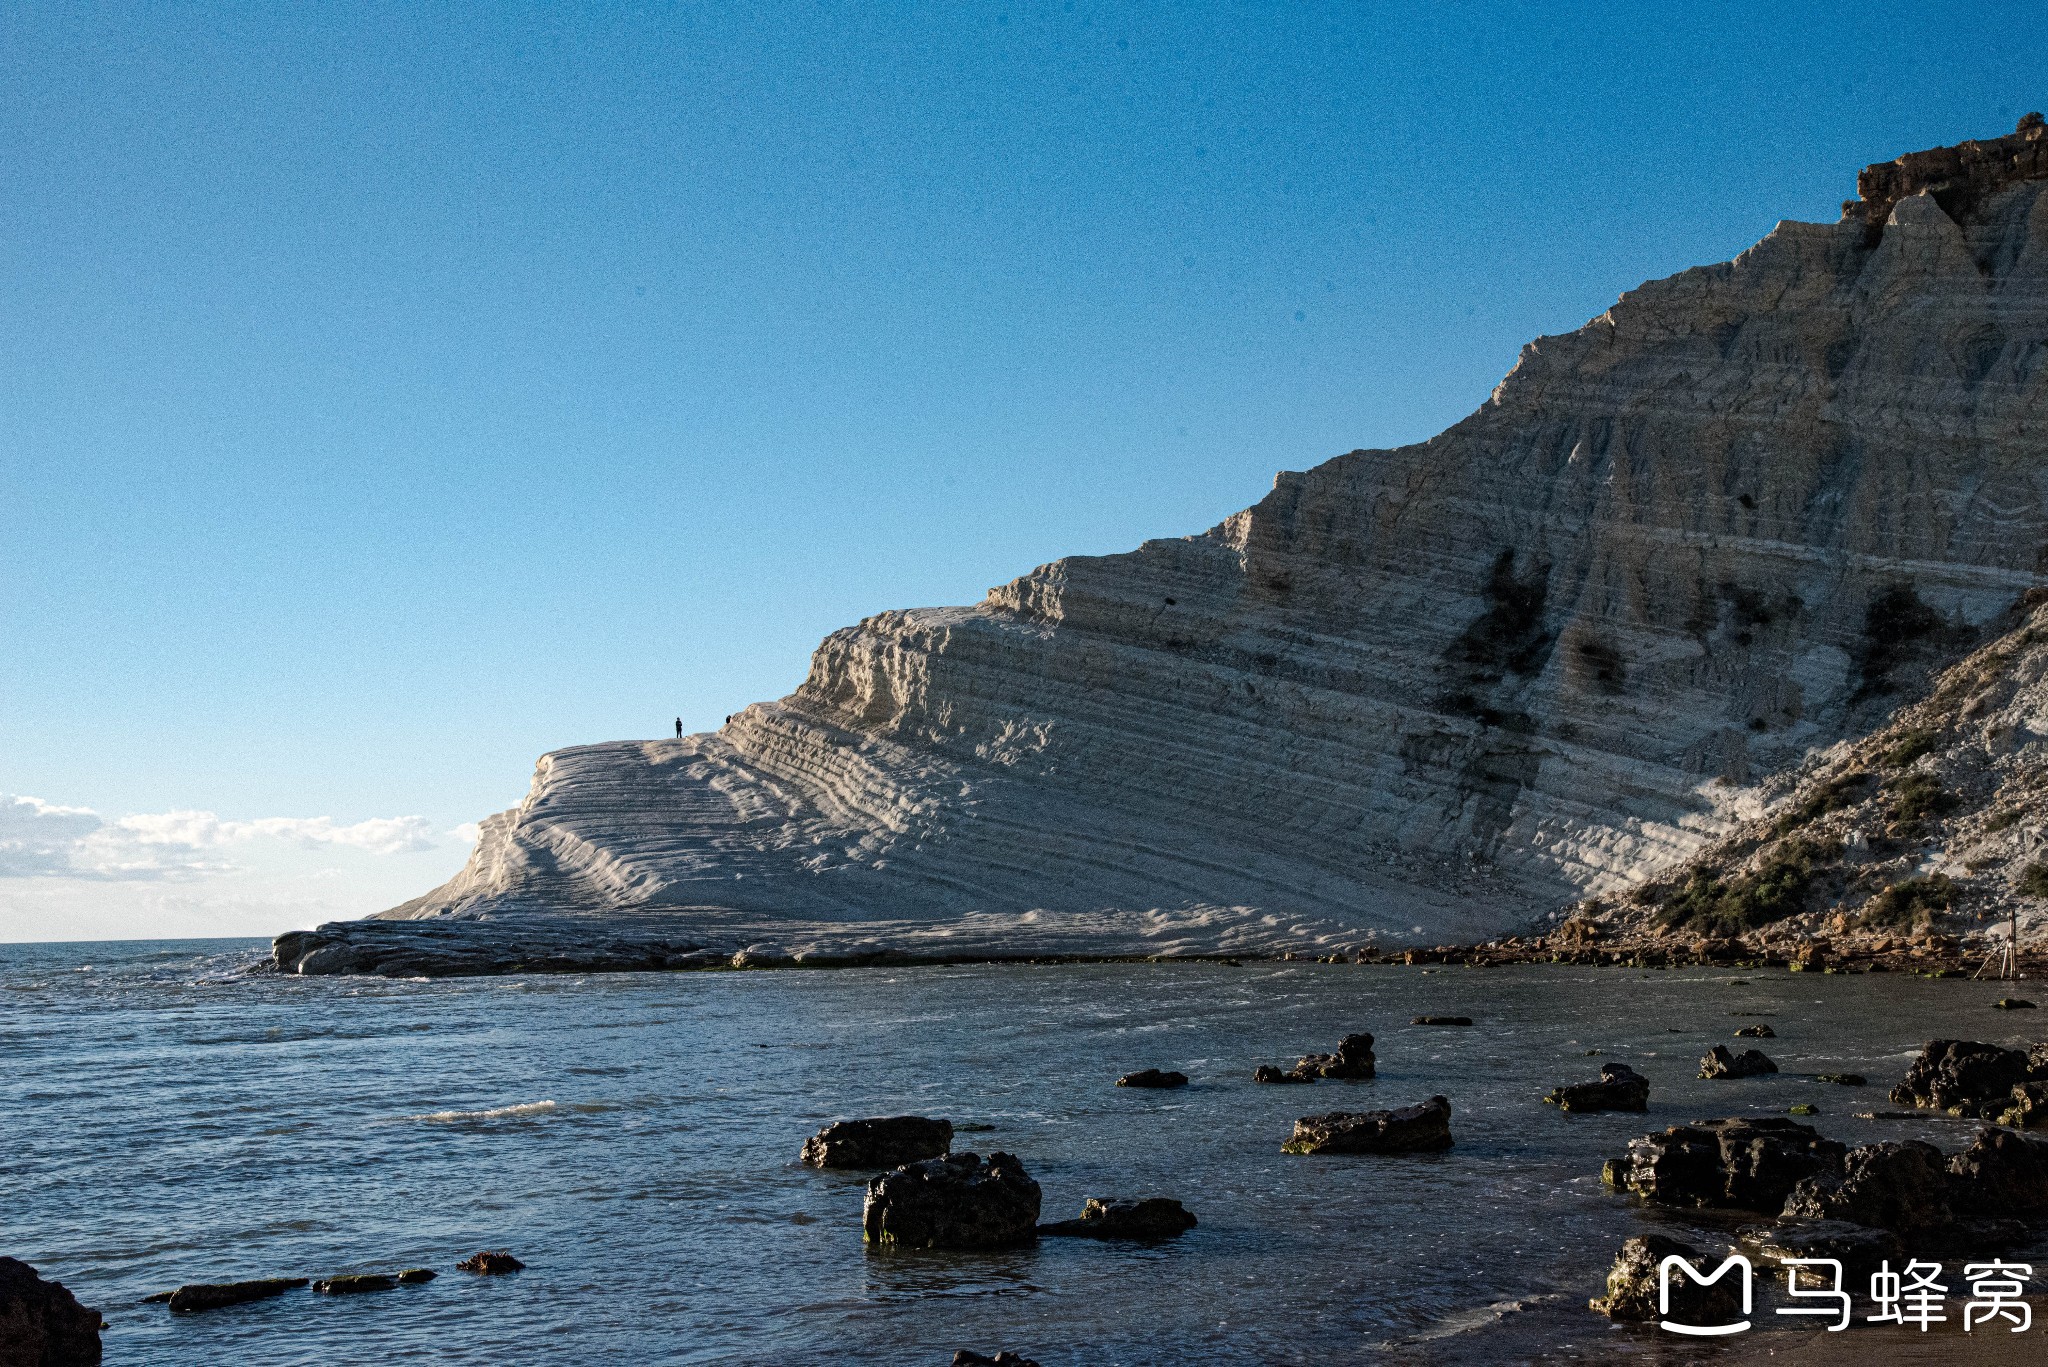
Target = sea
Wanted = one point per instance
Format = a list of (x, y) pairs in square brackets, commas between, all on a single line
[(168, 1115)]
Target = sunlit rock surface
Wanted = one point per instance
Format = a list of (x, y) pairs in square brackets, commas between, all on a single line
[(1415, 694)]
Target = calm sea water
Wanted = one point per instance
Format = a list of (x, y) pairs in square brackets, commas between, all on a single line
[(168, 1118)]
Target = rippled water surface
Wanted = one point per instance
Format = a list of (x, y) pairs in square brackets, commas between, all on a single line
[(167, 1118)]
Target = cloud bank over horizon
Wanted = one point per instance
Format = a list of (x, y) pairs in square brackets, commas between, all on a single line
[(70, 872)]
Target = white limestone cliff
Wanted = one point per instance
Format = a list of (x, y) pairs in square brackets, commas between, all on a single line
[(1419, 694)]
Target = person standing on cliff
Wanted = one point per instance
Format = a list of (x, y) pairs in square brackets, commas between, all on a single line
[(679, 728)]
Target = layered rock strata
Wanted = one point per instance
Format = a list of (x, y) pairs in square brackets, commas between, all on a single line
[(1422, 692)]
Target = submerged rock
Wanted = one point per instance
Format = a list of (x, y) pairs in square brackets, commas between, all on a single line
[(1441, 1020), (490, 1263), (1739, 1163), (1843, 1079), (1422, 1128), (2013, 1004), (967, 1357), (1267, 1073), (355, 1283), (1152, 1077), (958, 1201), (1620, 1088), (196, 1296), (1756, 1032), (42, 1324), (883, 1142), (412, 1276), (1154, 1217), (1634, 1285), (1720, 1063)]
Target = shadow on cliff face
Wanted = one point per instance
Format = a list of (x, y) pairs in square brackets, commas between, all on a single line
[(1903, 636), (1507, 643), (1508, 640)]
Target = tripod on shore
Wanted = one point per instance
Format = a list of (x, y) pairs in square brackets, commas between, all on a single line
[(2004, 961)]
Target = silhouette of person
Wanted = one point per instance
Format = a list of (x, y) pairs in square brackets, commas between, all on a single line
[(679, 728)]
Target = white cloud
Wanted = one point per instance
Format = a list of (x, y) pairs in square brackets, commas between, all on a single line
[(40, 839)]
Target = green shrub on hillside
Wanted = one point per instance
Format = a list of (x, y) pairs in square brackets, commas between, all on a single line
[(1731, 906)]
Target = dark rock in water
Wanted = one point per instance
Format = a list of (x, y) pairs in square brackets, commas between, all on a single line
[(1353, 1061), (1620, 1088), (1720, 1063), (1859, 1249), (2000, 1174), (1156, 1217), (1756, 1032), (954, 1202), (355, 1284), (2012, 1004), (1962, 1077), (1424, 1128), (1902, 1187), (1843, 1079), (1266, 1072), (1633, 1285), (884, 1142), (197, 1296), (412, 1276), (1803, 1108), (1614, 1173), (1738, 1163), (967, 1357), (42, 1324), (1441, 1020), (490, 1262), (1152, 1077)]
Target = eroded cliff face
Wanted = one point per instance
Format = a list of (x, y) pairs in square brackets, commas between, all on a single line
[(1423, 693)]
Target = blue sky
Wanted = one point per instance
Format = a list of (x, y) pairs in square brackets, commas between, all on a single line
[(394, 393)]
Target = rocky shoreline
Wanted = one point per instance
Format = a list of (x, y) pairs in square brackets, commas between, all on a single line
[(445, 949)]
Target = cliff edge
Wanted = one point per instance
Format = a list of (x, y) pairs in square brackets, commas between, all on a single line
[(1422, 694)]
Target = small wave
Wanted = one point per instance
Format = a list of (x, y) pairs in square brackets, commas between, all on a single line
[(1470, 1320), (495, 1113)]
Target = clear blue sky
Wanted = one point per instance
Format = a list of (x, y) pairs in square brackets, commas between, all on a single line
[(393, 393)]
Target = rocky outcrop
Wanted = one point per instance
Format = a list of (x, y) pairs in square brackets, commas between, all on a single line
[(1154, 1217), (1620, 1088), (1635, 1285), (1422, 1128), (957, 1202), (1720, 1062), (1959, 178), (884, 1142), (1970, 1078), (42, 1324), (1566, 644), (1903, 1187), (1738, 1163)]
